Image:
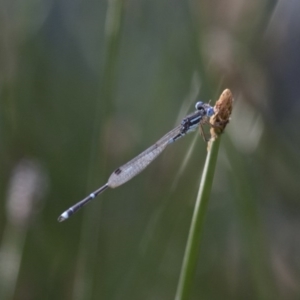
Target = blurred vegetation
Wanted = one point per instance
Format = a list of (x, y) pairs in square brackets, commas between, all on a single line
[(86, 86)]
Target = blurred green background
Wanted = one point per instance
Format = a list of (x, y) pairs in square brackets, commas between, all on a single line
[(87, 85)]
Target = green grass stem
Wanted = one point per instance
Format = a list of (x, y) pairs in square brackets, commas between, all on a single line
[(196, 229)]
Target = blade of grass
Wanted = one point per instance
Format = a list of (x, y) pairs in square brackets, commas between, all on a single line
[(218, 121), (196, 229)]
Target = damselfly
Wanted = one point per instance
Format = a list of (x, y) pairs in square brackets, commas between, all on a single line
[(139, 163)]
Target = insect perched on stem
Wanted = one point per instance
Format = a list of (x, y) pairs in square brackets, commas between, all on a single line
[(139, 163)]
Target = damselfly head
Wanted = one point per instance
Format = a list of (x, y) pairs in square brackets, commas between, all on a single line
[(210, 111), (205, 107), (199, 105)]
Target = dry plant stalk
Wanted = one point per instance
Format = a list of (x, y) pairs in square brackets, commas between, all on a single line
[(223, 109)]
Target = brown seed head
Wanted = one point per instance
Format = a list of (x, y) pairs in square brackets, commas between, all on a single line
[(223, 109)]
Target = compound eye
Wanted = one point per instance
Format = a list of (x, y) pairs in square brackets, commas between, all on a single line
[(210, 111), (199, 105)]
